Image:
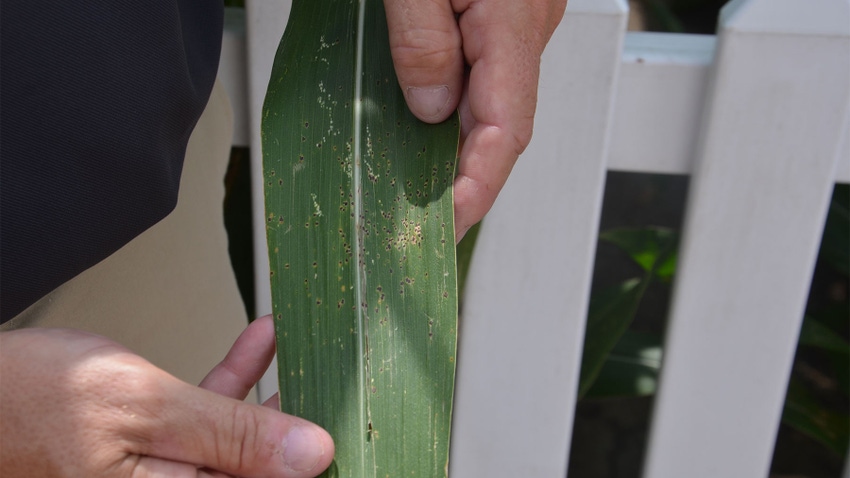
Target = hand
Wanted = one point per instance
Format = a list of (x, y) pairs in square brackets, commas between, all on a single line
[(433, 41), (75, 404)]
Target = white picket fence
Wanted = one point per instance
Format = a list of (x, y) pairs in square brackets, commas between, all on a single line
[(758, 116)]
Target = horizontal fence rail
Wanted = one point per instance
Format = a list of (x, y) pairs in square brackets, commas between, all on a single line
[(759, 117)]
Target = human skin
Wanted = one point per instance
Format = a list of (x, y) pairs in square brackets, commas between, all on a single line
[(75, 404), (482, 57)]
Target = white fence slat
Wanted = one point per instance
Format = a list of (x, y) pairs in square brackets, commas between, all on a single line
[(842, 174), (660, 95), (524, 309), (759, 195), (233, 73), (266, 20)]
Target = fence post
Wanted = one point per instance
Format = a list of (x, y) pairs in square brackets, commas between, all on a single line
[(759, 195), (265, 21), (522, 323)]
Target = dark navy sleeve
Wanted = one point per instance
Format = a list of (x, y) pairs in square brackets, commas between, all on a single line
[(97, 102)]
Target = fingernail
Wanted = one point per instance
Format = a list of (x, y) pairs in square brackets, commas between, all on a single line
[(428, 102), (302, 449)]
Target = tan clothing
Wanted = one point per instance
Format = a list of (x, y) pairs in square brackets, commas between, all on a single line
[(170, 294)]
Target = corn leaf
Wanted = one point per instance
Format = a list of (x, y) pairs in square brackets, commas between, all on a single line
[(361, 245)]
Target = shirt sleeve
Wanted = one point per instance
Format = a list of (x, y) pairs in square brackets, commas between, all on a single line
[(97, 102)]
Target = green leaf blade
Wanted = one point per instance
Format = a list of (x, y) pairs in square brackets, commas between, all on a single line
[(361, 245)]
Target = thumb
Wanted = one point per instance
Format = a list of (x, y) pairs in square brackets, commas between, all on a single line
[(426, 48), (196, 426)]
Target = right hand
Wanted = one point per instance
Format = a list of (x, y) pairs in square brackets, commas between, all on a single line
[(78, 405)]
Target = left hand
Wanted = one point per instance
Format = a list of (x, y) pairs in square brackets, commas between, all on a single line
[(500, 41)]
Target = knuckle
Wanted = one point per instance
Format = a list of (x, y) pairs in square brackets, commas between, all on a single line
[(426, 49), (240, 447)]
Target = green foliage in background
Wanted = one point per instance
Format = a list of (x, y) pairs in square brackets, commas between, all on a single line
[(620, 362)]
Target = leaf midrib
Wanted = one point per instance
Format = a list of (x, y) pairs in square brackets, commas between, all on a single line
[(356, 192)]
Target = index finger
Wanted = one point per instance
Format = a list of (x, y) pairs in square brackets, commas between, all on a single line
[(502, 41)]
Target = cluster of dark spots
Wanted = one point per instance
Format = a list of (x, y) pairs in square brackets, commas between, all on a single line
[(272, 172), (340, 303), (315, 264), (280, 219), (280, 182), (286, 266), (306, 124), (279, 316), (318, 302), (445, 294), (303, 139), (271, 273), (319, 145)]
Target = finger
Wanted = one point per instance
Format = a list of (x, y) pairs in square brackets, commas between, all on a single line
[(150, 467), (502, 41), (426, 48), (246, 361), (273, 402), (181, 423)]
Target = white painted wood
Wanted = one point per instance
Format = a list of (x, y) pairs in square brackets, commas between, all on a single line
[(266, 20), (660, 94), (842, 173), (759, 196), (763, 171), (233, 73), (846, 473), (522, 324)]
